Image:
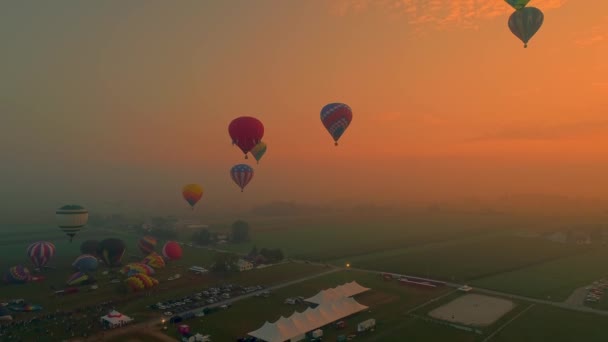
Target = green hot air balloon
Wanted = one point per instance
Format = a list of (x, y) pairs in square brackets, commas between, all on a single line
[(517, 4), (524, 23)]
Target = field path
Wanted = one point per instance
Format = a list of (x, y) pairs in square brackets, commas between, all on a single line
[(508, 322)]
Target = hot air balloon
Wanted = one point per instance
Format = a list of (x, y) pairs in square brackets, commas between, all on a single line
[(111, 251), (137, 268), (336, 118), (40, 253), (89, 247), (172, 250), (139, 282), (192, 193), (246, 132), (71, 218), (241, 174), (524, 23), (86, 263), (79, 278), (17, 275), (517, 4), (154, 260), (147, 244), (258, 151)]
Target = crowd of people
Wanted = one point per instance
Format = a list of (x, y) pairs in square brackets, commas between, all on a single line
[(57, 326)]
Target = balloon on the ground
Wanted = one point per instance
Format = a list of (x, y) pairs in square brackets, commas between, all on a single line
[(154, 260), (524, 23), (89, 247), (246, 132), (192, 193), (40, 253), (258, 151), (241, 174), (140, 282), (336, 117), (86, 263), (137, 268), (172, 250), (517, 4), (17, 275), (111, 251), (71, 219), (147, 244), (78, 278)]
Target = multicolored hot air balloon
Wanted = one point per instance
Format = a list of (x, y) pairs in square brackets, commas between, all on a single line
[(172, 250), (524, 23), (139, 282), (154, 260), (192, 193), (241, 174), (517, 4), (246, 132), (258, 151), (71, 219), (40, 253), (137, 268), (86, 263), (89, 247), (17, 275), (79, 278), (147, 244), (111, 251), (336, 118)]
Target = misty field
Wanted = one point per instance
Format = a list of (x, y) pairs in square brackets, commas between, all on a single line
[(554, 280)]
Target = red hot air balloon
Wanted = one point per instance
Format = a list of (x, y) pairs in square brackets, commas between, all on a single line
[(246, 132), (172, 250)]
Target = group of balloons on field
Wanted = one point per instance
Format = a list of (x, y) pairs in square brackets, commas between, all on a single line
[(525, 21), (247, 132), (110, 252)]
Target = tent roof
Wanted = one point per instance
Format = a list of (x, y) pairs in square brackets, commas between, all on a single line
[(115, 317), (299, 323), (332, 294)]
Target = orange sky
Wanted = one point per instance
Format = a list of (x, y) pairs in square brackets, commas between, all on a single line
[(446, 101)]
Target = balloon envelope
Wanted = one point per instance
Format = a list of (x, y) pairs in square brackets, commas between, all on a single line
[(246, 132), (154, 260), (17, 275), (524, 23), (192, 193), (258, 151), (71, 219), (111, 251), (517, 4), (86, 263), (336, 117), (41, 252), (172, 250), (147, 244), (241, 174)]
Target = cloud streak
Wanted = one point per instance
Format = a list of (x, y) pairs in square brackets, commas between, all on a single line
[(597, 34), (439, 13)]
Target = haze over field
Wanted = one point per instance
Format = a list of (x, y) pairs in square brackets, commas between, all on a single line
[(116, 105)]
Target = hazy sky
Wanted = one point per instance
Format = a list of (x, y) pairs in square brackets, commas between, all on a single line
[(104, 102)]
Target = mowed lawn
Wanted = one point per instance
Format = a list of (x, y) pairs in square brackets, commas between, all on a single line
[(388, 303), (329, 238), (554, 280), (468, 259), (544, 323)]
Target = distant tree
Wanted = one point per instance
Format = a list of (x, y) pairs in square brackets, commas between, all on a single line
[(202, 237), (224, 262), (254, 251), (240, 231), (272, 255)]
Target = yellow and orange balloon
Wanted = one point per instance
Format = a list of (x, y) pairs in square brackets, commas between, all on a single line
[(192, 193)]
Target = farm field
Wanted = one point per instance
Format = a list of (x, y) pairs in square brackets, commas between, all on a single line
[(554, 280), (300, 238), (388, 302), (544, 323), (467, 259)]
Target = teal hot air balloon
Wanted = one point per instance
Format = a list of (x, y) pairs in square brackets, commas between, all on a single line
[(517, 4), (524, 23)]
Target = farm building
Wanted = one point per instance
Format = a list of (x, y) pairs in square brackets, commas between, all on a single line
[(299, 324), (244, 265), (335, 293)]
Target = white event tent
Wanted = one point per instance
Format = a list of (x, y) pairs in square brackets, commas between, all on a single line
[(346, 290)]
